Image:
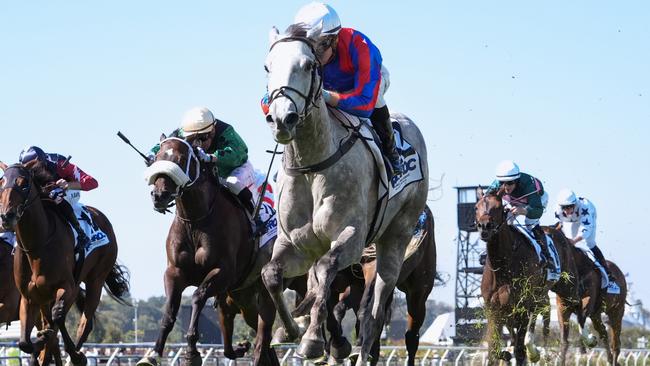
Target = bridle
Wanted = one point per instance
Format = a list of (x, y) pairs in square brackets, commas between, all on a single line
[(315, 84), (191, 156), (492, 231), (25, 192)]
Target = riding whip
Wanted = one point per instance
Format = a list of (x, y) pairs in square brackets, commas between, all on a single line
[(121, 135)]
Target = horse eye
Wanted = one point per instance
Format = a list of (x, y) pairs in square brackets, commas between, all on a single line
[(266, 69)]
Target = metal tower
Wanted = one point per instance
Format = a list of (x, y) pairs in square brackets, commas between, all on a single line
[(469, 271)]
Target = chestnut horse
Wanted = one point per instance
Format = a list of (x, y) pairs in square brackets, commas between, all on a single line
[(416, 280), (514, 287), (210, 245), (44, 262), (593, 302)]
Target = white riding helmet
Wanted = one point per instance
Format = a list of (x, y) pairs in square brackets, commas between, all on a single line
[(566, 197), (197, 120), (317, 13), (507, 171)]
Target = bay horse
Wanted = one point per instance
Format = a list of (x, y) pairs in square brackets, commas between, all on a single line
[(9, 295), (416, 280), (513, 286), (44, 262), (592, 303), (328, 195), (210, 245)]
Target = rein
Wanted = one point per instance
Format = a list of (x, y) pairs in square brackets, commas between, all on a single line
[(314, 92)]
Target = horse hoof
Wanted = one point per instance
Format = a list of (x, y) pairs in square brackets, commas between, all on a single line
[(148, 361), (79, 359), (192, 358), (26, 347), (342, 351), (311, 349), (533, 354), (281, 337), (591, 341), (505, 355)]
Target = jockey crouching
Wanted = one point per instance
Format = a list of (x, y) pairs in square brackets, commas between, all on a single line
[(354, 79), (68, 177), (526, 198), (218, 143), (578, 219)]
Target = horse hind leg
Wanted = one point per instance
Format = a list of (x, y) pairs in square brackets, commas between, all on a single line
[(416, 308), (90, 303), (599, 326)]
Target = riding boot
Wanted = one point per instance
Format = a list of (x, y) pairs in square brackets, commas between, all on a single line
[(245, 196), (541, 239), (382, 124), (82, 238), (603, 262)]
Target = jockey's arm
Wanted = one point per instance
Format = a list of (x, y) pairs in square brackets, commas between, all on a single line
[(361, 100), (74, 177), (231, 150), (534, 208)]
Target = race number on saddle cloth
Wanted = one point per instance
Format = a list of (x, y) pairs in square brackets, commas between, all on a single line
[(578, 216)]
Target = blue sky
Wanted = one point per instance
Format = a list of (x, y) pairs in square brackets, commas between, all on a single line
[(560, 87)]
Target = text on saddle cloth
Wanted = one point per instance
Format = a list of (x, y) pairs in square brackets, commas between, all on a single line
[(268, 216), (604, 278)]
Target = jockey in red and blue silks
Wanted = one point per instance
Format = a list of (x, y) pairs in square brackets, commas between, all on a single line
[(67, 177), (354, 79)]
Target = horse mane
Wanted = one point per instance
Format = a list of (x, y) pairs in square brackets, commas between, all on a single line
[(297, 30), (41, 172)]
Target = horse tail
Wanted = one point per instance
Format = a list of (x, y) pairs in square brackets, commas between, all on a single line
[(117, 284)]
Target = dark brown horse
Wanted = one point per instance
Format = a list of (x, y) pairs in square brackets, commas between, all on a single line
[(593, 302), (9, 295), (416, 280), (210, 245), (44, 262), (513, 287)]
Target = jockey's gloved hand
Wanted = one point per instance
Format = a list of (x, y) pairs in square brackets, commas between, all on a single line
[(150, 159), (205, 157), (57, 195)]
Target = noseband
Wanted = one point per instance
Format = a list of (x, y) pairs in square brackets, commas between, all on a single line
[(191, 156), (315, 89), (494, 231)]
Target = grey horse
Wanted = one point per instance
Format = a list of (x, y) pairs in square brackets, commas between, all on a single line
[(327, 199)]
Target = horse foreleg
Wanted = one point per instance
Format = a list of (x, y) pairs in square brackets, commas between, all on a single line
[(86, 321), (597, 322), (528, 337), (563, 316), (27, 317), (64, 299), (416, 302), (615, 322), (264, 354), (339, 347), (286, 261), (227, 313), (390, 256), (493, 335), (214, 283)]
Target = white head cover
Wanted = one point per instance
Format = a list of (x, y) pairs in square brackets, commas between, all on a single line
[(507, 171), (318, 14), (197, 120), (566, 197)]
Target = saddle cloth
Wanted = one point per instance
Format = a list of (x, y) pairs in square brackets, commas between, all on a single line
[(555, 257), (604, 279), (270, 230), (8, 237), (97, 237), (387, 188)]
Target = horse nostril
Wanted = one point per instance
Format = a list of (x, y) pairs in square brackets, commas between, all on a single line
[(269, 118), (291, 119)]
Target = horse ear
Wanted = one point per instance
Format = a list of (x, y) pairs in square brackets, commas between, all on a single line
[(315, 32), (274, 34), (162, 136), (3, 166), (479, 192)]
